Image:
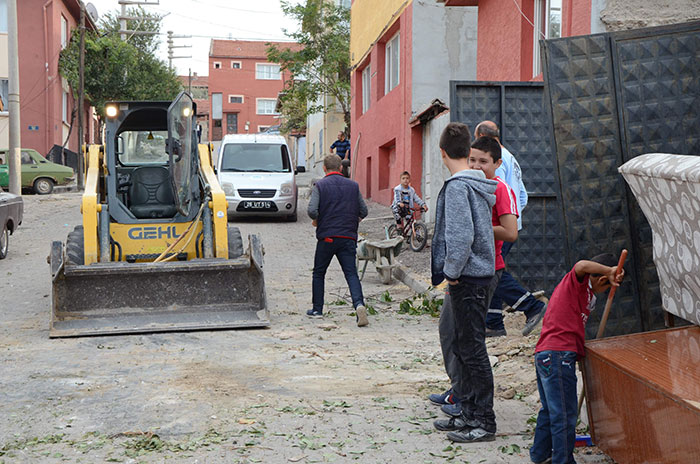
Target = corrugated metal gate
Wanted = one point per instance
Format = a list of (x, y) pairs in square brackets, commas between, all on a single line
[(520, 111), (615, 96)]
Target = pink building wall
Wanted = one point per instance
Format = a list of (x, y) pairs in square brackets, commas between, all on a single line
[(387, 144), (506, 37), (41, 92)]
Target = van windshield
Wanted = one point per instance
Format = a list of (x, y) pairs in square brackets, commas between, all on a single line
[(255, 157)]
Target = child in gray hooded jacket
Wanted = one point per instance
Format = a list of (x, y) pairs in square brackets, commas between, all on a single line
[(463, 253)]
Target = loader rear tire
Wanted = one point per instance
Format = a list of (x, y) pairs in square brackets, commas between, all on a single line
[(75, 246), (235, 243)]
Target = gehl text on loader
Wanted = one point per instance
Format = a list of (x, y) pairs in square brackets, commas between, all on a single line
[(155, 252)]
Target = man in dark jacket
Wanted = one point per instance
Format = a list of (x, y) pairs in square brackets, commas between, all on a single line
[(336, 207)]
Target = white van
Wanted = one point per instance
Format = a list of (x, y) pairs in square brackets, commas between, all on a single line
[(256, 172)]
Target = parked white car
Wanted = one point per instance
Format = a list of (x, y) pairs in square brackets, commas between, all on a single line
[(256, 172)]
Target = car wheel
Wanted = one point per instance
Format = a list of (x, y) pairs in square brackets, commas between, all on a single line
[(4, 241), (43, 186)]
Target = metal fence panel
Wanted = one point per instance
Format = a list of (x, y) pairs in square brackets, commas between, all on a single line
[(615, 96), (659, 95), (518, 108)]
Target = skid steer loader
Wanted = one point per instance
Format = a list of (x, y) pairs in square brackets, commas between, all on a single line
[(155, 252)]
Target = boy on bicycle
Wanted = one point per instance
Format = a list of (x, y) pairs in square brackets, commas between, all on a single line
[(405, 199)]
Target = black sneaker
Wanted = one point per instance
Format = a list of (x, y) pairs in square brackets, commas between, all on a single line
[(495, 332), (532, 321), (471, 435), (454, 423), (447, 397), (314, 313)]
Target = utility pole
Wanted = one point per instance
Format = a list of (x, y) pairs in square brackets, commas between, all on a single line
[(171, 46), (81, 101), (123, 18), (14, 154), (189, 81)]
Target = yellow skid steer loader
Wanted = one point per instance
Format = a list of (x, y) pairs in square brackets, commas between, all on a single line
[(155, 252)]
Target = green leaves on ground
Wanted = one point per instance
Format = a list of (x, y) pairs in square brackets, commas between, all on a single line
[(421, 304), (509, 449)]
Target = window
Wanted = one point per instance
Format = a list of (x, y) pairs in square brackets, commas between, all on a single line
[(64, 32), (547, 26), (4, 93), (392, 64), (235, 98), (143, 147), (252, 157), (344, 3), (26, 159), (263, 128), (64, 107), (267, 71), (265, 105), (235, 65), (216, 106), (217, 64), (3, 15), (366, 87)]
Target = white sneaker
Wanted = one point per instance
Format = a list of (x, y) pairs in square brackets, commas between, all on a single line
[(361, 312)]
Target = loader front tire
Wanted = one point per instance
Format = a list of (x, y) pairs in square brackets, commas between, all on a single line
[(75, 246), (235, 243)]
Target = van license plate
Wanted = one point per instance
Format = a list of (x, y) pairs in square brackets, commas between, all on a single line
[(257, 204)]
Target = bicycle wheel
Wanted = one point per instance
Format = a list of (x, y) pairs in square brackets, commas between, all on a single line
[(393, 231), (420, 237)]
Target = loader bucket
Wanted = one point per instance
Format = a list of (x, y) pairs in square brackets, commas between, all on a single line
[(122, 298)]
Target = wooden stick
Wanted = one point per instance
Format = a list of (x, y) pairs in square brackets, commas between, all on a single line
[(603, 322), (611, 295)]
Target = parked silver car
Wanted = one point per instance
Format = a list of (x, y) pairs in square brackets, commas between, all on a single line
[(11, 211), (256, 172)]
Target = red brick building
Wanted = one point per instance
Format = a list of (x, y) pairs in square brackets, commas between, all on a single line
[(243, 87), (47, 103)]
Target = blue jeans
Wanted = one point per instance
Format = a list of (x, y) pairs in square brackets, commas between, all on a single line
[(510, 291), (345, 249), (555, 433)]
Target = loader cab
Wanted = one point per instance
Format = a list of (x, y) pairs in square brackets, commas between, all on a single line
[(151, 148)]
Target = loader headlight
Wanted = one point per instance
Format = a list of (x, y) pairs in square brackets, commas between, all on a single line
[(228, 189), (111, 111), (286, 189)]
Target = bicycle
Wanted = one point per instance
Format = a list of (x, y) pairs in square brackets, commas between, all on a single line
[(413, 231)]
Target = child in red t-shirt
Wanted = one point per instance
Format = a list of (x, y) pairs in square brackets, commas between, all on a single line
[(560, 345), (486, 157)]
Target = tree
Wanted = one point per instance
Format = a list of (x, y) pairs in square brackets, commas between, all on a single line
[(146, 22), (320, 67), (117, 70)]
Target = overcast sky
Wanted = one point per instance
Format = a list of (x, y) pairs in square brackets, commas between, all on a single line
[(207, 19)]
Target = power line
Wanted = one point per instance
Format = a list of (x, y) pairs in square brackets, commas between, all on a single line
[(233, 8)]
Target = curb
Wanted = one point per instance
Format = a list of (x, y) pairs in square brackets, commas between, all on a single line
[(415, 282)]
